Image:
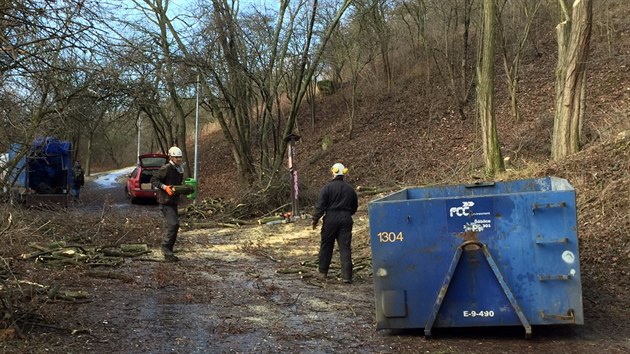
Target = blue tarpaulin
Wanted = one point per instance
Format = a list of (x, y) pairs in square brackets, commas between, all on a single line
[(47, 166)]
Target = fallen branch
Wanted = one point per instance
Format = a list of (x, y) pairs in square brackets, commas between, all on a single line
[(242, 222), (67, 251), (109, 275), (276, 209), (117, 253), (288, 271), (142, 259), (68, 295), (274, 259), (210, 225), (312, 264), (112, 262), (9, 223)]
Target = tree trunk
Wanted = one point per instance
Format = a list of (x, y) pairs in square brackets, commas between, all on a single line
[(485, 93), (573, 44), (311, 96), (353, 108), (88, 156), (307, 74)]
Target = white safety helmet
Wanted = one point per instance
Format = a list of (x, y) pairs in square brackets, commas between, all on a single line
[(339, 169), (175, 152)]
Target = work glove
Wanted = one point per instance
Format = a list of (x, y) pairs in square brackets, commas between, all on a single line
[(169, 190)]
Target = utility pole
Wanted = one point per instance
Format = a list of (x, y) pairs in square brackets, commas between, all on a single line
[(196, 138), (138, 155)]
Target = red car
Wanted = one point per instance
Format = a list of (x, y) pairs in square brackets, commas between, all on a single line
[(139, 182)]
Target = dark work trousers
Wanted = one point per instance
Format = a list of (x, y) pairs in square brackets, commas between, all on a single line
[(172, 226), (336, 226), (75, 191)]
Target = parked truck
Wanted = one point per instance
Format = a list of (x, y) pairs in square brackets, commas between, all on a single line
[(43, 173)]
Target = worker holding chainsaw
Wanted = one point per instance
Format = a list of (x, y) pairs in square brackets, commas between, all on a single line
[(165, 180), (337, 203)]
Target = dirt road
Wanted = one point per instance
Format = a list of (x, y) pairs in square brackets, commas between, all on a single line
[(252, 290)]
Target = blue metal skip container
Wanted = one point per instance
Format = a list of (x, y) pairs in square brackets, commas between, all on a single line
[(489, 254)]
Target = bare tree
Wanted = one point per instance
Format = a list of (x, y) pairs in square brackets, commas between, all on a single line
[(355, 46), (574, 35), (513, 40), (167, 68), (485, 92), (451, 48), (44, 47), (236, 64), (414, 14), (375, 15), (313, 54), (56, 78)]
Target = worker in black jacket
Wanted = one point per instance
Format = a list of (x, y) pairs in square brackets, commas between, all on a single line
[(169, 175), (337, 203), (78, 179)]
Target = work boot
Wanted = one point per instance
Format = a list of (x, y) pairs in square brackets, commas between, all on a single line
[(347, 281), (321, 276), (168, 255), (171, 258)]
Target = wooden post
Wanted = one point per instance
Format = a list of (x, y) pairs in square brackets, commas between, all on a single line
[(295, 192)]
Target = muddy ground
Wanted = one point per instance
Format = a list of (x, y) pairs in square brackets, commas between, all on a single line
[(248, 289)]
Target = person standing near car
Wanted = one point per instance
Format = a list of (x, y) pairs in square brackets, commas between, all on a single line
[(78, 179), (337, 203), (169, 175)]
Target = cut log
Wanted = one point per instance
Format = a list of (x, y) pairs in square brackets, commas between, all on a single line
[(134, 247), (288, 271), (270, 218)]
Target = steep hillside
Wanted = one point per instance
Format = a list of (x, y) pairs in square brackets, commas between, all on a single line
[(601, 176), (413, 136)]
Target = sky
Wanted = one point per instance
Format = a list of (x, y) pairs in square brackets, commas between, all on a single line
[(181, 6)]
